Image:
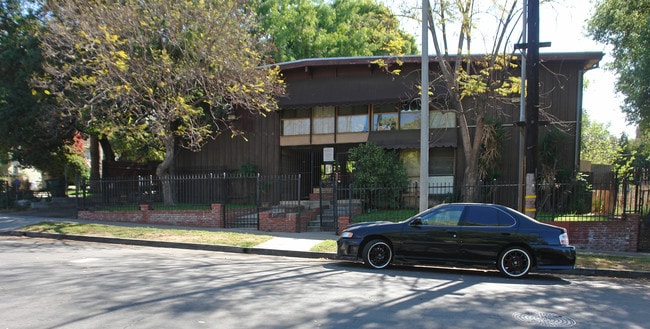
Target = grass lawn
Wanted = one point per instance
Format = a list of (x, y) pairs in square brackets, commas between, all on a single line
[(150, 233)]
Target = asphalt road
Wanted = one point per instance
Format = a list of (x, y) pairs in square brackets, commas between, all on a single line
[(47, 283)]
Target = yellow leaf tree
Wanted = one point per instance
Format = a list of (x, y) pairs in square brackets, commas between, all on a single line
[(476, 87), (161, 72)]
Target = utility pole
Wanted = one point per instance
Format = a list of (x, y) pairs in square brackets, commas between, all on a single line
[(521, 176), (424, 111), (532, 107)]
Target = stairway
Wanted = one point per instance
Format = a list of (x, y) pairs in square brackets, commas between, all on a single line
[(327, 220)]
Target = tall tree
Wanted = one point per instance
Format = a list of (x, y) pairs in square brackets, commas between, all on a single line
[(27, 134), (625, 24), (315, 28), (474, 86), (598, 145), (143, 69)]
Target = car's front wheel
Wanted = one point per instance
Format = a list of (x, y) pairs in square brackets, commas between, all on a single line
[(515, 262), (377, 254)]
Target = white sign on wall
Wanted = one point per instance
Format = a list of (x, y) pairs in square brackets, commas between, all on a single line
[(328, 154)]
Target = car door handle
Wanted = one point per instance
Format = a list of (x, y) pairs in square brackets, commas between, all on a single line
[(505, 233)]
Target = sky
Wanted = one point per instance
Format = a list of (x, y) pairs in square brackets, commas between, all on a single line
[(563, 24), (565, 29)]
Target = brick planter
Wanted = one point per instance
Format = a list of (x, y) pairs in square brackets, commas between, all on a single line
[(193, 218), (613, 235)]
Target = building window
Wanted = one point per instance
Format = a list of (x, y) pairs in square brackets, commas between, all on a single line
[(385, 117), (352, 119), (441, 161), (440, 119), (324, 119), (441, 170), (409, 117), (295, 122)]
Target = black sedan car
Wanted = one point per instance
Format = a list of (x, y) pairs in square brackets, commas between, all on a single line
[(461, 233)]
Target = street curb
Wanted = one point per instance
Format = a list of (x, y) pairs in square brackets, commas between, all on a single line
[(625, 274), (177, 245), (285, 253)]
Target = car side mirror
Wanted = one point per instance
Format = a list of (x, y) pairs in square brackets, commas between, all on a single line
[(416, 222)]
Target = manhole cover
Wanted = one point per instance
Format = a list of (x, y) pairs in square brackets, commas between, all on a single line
[(549, 320)]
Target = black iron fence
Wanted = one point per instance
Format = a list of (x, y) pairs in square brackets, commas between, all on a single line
[(244, 196), (557, 202), (188, 190), (247, 194)]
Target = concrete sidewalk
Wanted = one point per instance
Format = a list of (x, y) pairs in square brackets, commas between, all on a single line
[(282, 243)]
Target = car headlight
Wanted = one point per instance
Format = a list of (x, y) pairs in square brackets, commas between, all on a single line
[(347, 234)]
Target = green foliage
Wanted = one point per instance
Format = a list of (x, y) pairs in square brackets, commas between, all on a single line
[(76, 167), (631, 155), (141, 72), (29, 131), (142, 148), (597, 144), (549, 155), (625, 24), (315, 28), (374, 166), (249, 168), (381, 173), (492, 75)]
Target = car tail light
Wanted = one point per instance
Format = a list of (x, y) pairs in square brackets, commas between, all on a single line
[(564, 239)]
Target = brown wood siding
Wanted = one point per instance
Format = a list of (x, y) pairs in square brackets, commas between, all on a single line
[(226, 154), (559, 83)]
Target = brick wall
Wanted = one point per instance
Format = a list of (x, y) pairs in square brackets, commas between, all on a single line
[(644, 235), (272, 222), (194, 218), (286, 222), (619, 235), (278, 222), (344, 222)]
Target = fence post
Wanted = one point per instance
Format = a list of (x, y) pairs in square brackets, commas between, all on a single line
[(349, 203), (258, 193), (298, 185), (299, 217), (335, 199), (625, 192), (258, 197)]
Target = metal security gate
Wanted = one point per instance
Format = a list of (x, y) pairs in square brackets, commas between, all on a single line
[(250, 195)]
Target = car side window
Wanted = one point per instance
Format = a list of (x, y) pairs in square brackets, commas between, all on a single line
[(505, 219), (481, 216), (445, 216), (486, 216)]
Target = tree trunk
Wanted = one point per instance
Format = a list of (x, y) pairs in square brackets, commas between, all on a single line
[(469, 185), (109, 155), (94, 158), (164, 171)]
